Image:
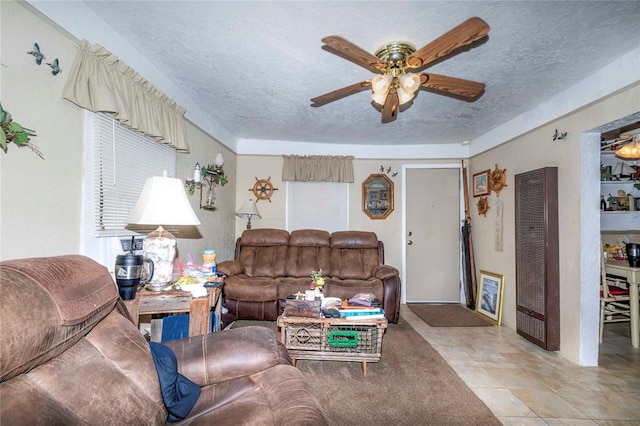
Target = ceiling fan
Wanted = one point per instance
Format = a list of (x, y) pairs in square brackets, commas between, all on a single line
[(395, 85)]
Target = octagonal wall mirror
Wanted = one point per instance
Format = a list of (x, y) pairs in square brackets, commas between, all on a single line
[(377, 196)]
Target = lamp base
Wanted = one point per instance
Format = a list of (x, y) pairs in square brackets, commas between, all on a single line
[(157, 286), (160, 247)]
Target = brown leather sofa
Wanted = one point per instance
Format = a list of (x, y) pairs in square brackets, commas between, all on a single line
[(71, 356), (271, 264)]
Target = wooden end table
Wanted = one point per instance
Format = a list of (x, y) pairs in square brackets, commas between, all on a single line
[(333, 339), (176, 301)]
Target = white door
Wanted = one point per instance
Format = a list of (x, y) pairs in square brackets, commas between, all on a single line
[(432, 241)]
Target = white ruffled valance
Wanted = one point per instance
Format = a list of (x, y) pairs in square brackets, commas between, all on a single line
[(100, 82), (318, 168)]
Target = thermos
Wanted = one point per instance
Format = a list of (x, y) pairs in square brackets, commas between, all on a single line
[(130, 271), (633, 254)]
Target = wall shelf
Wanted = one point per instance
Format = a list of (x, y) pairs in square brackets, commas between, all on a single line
[(617, 220)]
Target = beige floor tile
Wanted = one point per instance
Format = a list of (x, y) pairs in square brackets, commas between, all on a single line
[(476, 377), (569, 422), (522, 384), (522, 421), (503, 403), (606, 405), (546, 403)]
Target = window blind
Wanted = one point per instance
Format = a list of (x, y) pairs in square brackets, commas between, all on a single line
[(122, 160)]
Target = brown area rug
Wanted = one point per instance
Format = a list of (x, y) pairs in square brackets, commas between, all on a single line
[(411, 385), (450, 315)]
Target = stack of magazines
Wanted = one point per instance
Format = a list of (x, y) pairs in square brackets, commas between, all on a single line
[(362, 305)]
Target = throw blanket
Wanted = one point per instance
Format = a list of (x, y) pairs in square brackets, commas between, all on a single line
[(178, 393)]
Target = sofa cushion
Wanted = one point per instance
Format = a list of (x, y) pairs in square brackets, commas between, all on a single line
[(257, 289), (265, 237), (354, 239), (106, 377), (264, 252), (72, 293), (290, 285), (347, 288), (354, 254), (308, 252), (227, 355)]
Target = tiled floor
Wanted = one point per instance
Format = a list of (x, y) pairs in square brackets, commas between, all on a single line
[(525, 385)]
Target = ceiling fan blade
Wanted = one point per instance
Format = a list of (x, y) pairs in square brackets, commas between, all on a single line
[(353, 53), (465, 33), (451, 85), (340, 93), (390, 108)]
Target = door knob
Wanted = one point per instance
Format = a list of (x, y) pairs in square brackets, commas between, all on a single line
[(409, 242)]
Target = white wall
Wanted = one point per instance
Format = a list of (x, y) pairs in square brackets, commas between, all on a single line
[(531, 151), (40, 200)]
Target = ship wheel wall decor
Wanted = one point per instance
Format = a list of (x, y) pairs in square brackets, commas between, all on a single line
[(483, 206), (497, 180), (263, 189)]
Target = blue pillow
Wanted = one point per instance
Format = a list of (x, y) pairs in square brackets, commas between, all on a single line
[(178, 393)]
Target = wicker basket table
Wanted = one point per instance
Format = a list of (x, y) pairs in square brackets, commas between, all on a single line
[(335, 339)]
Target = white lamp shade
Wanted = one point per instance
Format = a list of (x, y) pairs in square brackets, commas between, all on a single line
[(248, 210), (380, 83), (163, 201), (219, 161), (410, 82), (404, 96), (379, 98)]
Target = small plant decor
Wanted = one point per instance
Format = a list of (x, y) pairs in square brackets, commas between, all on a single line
[(14, 132), (316, 279)]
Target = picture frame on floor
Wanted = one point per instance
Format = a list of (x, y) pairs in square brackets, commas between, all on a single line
[(489, 297)]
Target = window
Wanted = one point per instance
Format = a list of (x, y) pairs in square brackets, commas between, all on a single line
[(317, 205), (118, 161)]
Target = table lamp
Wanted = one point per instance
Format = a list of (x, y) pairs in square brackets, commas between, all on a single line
[(163, 201), (248, 210)]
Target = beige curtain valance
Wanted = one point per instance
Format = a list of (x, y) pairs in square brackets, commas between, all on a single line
[(100, 82), (318, 168)]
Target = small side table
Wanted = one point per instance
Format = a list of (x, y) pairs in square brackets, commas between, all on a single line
[(175, 301)]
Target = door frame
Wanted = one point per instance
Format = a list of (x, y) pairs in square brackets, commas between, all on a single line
[(405, 168)]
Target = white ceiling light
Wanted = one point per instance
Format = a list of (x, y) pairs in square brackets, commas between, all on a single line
[(631, 150)]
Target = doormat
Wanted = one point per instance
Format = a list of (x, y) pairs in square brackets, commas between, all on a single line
[(449, 315)]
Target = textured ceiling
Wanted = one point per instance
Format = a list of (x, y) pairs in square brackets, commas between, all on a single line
[(254, 65)]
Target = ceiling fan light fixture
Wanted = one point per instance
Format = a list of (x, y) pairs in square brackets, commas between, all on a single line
[(630, 151), (379, 98), (404, 96), (410, 82), (380, 83), (392, 85)]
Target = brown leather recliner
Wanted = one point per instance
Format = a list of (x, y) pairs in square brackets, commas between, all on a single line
[(271, 264), (70, 355)]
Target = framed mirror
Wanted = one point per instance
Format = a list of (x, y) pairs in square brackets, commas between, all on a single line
[(377, 196)]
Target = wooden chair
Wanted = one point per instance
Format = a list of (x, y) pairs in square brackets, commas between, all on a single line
[(614, 300)]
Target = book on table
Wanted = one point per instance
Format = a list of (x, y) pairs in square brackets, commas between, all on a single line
[(356, 313)]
